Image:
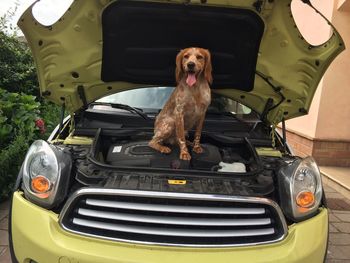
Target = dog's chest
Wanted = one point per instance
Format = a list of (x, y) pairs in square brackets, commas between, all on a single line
[(197, 100), (195, 106)]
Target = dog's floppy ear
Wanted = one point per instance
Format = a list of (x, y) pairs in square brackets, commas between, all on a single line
[(179, 70), (208, 68)]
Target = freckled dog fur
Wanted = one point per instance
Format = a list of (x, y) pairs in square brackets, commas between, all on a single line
[(187, 105)]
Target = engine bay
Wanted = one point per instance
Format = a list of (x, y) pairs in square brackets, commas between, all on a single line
[(221, 154), (228, 165)]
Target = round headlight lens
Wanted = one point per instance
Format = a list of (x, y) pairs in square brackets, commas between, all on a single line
[(300, 188), (45, 173), (40, 169)]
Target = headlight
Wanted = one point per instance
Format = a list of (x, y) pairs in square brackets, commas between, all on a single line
[(300, 189), (45, 174)]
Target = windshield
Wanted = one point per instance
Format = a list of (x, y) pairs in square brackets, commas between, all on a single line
[(154, 98)]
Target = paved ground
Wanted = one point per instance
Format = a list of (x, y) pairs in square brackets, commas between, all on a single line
[(339, 244), (339, 228), (4, 251)]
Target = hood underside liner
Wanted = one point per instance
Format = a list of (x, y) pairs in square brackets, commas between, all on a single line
[(104, 47)]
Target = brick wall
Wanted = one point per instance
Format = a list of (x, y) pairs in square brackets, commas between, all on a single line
[(325, 152)]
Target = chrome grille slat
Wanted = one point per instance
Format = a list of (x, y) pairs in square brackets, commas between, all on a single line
[(174, 220), (175, 208), (173, 231)]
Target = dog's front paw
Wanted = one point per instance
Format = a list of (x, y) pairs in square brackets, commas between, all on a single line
[(197, 148), (165, 149), (185, 156)]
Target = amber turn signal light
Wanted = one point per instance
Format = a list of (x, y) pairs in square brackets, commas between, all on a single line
[(40, 184), (305, 199)]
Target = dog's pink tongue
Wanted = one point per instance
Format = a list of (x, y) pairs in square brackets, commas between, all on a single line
[(191, 79)]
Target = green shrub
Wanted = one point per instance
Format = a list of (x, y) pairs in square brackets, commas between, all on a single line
[(17, 112), (17, 68), (19, 116), (11, 159), (19, 119), (51, 114)]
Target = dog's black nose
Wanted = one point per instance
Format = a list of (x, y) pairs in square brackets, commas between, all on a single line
[(190, 65)]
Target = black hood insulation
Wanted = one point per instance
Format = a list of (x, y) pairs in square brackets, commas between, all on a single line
[(141, 40)]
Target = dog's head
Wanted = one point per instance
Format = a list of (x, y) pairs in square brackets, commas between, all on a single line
[(191, 63)]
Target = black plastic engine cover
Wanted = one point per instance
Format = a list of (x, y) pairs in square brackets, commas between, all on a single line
[(207, 159), (141, 155)]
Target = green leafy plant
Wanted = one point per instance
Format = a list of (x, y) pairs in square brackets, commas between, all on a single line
[(17, 69), (51, 114), (11, 158), (20, 125), (17, 112)]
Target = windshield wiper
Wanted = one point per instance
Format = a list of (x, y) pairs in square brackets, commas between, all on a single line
[(123, 107)]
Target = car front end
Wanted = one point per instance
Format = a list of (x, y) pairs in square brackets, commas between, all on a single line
[(95, 192), (37, 235)]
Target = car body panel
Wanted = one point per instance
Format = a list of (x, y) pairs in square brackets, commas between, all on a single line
[(68, 56), (69, 60), (36, 234)]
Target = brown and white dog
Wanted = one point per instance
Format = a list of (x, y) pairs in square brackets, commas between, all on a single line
[(187, 105)]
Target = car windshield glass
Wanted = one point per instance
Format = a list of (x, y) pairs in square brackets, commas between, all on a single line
[(154, 98)]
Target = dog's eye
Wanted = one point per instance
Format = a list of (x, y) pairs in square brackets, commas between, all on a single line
[(186, 56), (199, 57)]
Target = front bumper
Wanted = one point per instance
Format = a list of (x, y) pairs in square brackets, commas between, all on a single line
[(37, 235)]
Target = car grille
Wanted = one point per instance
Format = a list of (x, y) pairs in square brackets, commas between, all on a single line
[(173, 218)]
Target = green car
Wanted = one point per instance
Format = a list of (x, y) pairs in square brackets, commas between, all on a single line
[(95, 192)]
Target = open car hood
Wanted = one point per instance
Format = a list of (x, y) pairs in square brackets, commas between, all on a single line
[(100, 47)]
